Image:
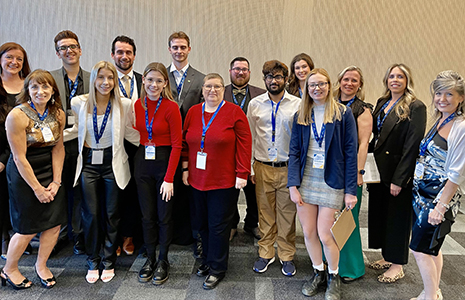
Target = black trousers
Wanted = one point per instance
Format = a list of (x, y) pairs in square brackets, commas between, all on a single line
[(214, 211), (72, 229), (100, 210), (157, 222), (251, 218)]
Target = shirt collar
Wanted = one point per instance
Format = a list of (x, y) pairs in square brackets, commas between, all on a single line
[(267, 97), (173, 68), (130, 74), (65, 75)]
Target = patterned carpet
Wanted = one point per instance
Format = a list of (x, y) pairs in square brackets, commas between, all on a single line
[(240, 282)]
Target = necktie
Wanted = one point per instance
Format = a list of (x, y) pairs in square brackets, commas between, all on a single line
[(236, 92), (127, 84)]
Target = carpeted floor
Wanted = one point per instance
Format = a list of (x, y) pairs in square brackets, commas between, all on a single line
[(240, 282)]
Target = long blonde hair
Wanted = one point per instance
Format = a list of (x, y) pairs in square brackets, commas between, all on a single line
[(337, 88), (448, 80), (402, 108), (115, 96), (333, 109)]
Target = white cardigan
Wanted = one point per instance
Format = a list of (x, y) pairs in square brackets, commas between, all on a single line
[(455, 159), (121, 128)]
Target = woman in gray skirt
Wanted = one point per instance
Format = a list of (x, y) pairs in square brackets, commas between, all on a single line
[(322, 175)]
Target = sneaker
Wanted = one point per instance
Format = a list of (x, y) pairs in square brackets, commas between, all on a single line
[(288, 268), (261, 265)]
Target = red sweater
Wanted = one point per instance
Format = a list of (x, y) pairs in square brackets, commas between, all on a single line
[(166, 129), (228, 144)]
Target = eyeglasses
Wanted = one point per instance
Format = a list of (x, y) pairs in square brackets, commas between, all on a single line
[(65, 48), (238, 70), (269, 78), (321, 85), (209, 87)]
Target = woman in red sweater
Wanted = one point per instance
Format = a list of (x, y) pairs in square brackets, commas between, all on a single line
[(158, 120), (217, 149)]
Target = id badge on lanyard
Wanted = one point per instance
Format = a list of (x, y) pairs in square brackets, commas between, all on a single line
[(201, 162), (419, 169), (273, 153), (318, 161), (70, 116), (47, 134), (97, 156), (150, 152)]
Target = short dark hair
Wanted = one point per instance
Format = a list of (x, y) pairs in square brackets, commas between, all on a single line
[(179, 35), (273, 66), (65, 34), (239, 58), (123, 39)]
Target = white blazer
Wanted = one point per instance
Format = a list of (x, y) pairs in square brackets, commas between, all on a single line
[(121, 128)]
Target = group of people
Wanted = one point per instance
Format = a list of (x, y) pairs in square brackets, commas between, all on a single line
[(74, 145)]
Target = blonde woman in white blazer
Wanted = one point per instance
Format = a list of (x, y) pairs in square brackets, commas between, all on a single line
[(102, 122)]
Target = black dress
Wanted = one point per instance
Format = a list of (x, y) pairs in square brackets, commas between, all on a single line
[(28, 215)]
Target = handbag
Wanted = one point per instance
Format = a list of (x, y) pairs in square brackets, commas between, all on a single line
[(343, 227)]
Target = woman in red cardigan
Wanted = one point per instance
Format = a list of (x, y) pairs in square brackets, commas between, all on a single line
[(158, 120), (217, 149)]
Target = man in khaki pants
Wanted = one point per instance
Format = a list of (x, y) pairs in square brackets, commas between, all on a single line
[(270, 117)]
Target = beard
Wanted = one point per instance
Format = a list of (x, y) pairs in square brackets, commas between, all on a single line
[(276, 91), (121, 67)]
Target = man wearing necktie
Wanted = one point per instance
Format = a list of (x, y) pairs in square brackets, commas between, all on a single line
[(241, 92)]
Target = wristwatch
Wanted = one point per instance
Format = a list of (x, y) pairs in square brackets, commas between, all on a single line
[(185, 169), (362, 171)]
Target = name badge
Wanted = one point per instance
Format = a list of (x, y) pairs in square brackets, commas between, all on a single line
[(318, 161), (47, 134), (201, 162), (419, 170), (97, 157), (150, 151), (273, 153), (70, 116)]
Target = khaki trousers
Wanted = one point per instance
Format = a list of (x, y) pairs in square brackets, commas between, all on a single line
[(276, 212)]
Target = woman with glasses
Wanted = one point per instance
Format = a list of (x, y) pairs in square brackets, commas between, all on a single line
[(301, 65), (439, 180), (216, 157), (103, 120), (158, 120), (399, 121), (322, 176), (349, 92), (14, 68)]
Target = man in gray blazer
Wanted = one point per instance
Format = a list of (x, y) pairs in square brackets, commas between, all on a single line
[(241, 92), (71, 81), (186, 87)]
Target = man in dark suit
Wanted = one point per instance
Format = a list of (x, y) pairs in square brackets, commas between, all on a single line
[(241, 92), (71, 81), (123, 52), (186, 87)]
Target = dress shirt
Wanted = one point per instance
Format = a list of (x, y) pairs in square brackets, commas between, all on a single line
[(135, 94), (178, 75), (259, 116)]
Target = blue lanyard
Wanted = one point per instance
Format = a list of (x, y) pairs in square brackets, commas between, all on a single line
[(381, 122), (243, 100), (300, 92), (350, 102), (205, 128), (41, 117), (273, 119), (147, 125), (430, 136), (179, 86), (98, 134), (72, 91), (121, 87), (318, 138)]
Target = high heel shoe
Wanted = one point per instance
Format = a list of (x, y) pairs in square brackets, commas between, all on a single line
[(23, 285), (46, 283)]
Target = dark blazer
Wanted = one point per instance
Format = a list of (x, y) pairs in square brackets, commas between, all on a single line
[(253, 92), (398, 144), (138, 82), (191, 92), (340, 153), (60, 81)]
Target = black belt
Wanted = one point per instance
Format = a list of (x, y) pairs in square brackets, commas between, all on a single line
[(274, 164)]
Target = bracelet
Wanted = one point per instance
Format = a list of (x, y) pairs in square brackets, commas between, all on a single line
[(185, 169), (435, 208), (56, 182), (446, 206)]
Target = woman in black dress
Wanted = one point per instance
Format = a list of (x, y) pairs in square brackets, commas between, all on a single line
[(34, 131)]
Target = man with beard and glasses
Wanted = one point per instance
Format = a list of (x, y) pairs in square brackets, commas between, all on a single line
[(123, 53), (271, 117), (71, 81), (241, 92)]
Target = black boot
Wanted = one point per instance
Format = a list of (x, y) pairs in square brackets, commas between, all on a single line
[(146, 272), (161, 273), (333, 291), (315, 284)]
